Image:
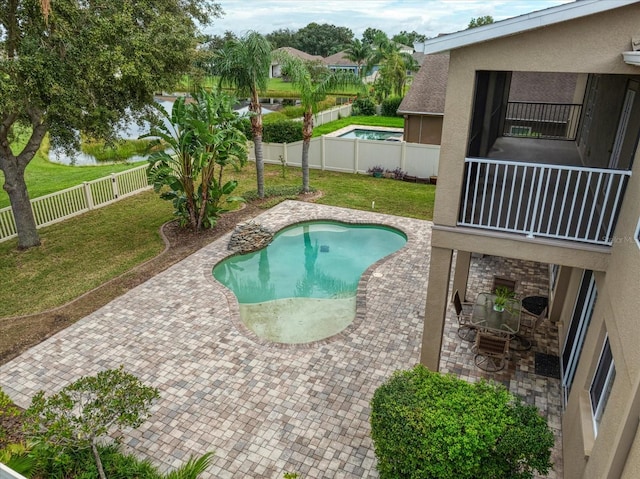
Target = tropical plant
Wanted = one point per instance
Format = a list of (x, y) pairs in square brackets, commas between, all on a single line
[(192, 468), (244, 64), (311, 94), (359, 53), (68, 66), (393, 65), (364, 106), (503, 295), (204, 138), (426, 425), (480, 21), (88, 410)]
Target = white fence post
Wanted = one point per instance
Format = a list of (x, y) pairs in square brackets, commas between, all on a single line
[(356, 148), (285, 153), (114, 184), (403, 156), (322, 153), (88, 197)]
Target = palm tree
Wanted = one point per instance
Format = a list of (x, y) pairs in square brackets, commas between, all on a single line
[(244, 64), (312, 91), (359, 52), (393, 63)]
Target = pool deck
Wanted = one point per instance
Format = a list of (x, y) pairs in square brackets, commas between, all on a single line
[(349, 128), (264, 408)]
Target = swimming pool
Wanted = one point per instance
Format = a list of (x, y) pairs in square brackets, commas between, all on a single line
[(302, 287), (371, 134)]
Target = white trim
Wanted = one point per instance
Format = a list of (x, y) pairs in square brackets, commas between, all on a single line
[(596, 414), (522, 23)]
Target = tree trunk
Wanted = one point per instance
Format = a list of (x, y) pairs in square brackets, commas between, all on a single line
[(16, 188), (96, 456), (257, 144), (307, 132), (13, 168), (256, 131)]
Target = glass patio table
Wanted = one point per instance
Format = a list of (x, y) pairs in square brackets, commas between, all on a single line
[(500, 323)]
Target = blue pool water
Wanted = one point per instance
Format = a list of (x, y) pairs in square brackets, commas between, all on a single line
[(363, 134), (302, 286)]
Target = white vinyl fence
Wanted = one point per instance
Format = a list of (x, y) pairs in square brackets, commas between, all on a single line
[(73, 201), (8, 473), (352, 155)]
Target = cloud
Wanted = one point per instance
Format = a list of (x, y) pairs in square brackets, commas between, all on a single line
[(429, 17)]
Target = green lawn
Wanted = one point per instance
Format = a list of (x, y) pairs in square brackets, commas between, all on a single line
[(85, 251)]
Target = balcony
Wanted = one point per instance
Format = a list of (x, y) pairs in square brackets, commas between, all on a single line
[(558, 121), (542, 200)]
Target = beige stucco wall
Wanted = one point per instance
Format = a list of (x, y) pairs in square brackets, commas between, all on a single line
[(587, 45)]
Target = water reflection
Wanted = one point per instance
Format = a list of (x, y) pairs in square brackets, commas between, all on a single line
[(131, 132)]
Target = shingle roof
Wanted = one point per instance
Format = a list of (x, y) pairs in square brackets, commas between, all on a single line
[(429, 87), (339, 59), (294, 52)]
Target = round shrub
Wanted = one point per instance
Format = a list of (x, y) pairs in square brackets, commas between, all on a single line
[(426, 425), (389, 107), (363, 106)]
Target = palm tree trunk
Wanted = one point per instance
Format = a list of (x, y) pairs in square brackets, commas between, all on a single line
[(307, 132), (256, 131)]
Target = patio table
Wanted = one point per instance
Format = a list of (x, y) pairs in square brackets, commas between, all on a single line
[(500, 323)]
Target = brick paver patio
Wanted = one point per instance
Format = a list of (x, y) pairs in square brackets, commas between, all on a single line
[(263, 408)]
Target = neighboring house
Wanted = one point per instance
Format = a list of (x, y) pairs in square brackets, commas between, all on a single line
[(567, 194), (276, 68), (338, 61)]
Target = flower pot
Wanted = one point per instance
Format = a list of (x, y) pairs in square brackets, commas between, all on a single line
[(377, 174), (498, 308)]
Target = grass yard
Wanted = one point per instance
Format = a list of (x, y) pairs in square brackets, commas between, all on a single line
[(88, 250)]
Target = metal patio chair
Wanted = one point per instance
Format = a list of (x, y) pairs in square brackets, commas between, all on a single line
[(491, 351), (528, 325), (466, 330)]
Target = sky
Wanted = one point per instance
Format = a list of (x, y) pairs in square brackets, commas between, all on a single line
[(428, 17)]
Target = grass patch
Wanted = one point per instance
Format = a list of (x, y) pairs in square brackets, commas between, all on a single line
[(388, 121), (44, 177), (81, 253)]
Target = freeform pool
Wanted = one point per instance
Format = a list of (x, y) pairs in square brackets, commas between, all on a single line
[(301, 288)]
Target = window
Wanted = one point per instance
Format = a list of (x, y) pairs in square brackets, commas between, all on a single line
[(580, 319), (602, 383), (637, 235)]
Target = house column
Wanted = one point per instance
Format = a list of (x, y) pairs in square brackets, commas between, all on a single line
[(436, 306), (461, 273)]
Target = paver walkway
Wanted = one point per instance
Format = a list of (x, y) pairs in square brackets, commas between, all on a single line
[(264, 409)]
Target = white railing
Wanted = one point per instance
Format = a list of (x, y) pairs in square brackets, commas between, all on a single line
[(554, 201), (73, 201), (352, 155)]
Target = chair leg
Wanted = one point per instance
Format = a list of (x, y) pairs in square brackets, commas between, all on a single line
[(520, 343), (489, 363), (467, 333)]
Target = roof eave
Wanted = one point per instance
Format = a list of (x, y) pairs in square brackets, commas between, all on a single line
[(522, 23)]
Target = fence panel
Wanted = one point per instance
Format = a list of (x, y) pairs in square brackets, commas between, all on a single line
[(73, 201), (57, 206), (421, 160), (339, 154)]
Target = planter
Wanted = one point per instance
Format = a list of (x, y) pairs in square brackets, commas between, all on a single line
[(377, 174), (498, 308), (433, 180)]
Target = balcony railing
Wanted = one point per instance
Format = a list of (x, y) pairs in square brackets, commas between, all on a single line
[(553, 201), (556, 121)]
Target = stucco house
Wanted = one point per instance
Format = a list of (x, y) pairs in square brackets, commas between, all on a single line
[(566, 193)]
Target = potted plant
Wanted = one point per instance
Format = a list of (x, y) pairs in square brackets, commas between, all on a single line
[(503, 295), (376, 171)]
